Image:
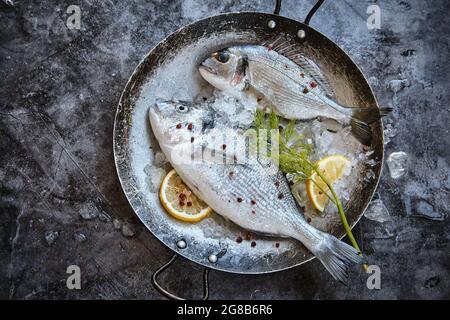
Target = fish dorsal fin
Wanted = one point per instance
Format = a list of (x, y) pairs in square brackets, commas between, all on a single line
[(289, 50)]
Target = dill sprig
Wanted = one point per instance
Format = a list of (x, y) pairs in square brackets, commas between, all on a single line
[(294, 157)]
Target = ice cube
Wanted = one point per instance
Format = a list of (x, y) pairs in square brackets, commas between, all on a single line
[(377, 211), (398, 164), (127, 230), (79, 236), (51, 237), (159, 159), (426, 210), (88, 212)]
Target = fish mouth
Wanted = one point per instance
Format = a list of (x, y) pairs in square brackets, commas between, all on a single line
[(204, 68)]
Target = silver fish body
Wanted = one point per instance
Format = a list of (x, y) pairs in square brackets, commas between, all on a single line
[(294, 90), (245, 191)]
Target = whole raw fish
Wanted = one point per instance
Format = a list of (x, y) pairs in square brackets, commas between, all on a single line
[(294, 90), (242, 190)]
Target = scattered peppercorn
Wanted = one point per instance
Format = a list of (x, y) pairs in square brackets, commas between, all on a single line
[(189, 204), (253, 202), (269, 47), (239, 239), (253, 244), (308, 219), (224, 146), (253, 212), (231, 173), (189, 126), (291, 183), (313, 84), (182, 196), (277, 184), (302, 75), (178, 126), (192, 139), (239, 199), (305, 90), (182, 203), (280, 196), (277, 245)]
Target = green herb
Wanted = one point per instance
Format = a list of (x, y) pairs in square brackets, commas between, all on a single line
[(294, 157)]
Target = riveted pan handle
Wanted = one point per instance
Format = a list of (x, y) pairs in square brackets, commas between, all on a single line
[(172, 296), (308, 16)]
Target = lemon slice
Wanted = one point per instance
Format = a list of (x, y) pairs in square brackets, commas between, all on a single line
[(179, 201), (333, 168)]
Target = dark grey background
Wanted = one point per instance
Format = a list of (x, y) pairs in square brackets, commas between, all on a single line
[(58, 95)]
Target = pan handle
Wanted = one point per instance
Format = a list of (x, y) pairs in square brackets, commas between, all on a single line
[(277, 7), (308, 16), (313, 11), (171, 295)]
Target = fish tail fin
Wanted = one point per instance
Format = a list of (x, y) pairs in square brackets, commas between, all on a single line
[(361, 119), (337, 257)]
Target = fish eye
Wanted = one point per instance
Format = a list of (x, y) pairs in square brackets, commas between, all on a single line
[(182, 108), (222, 56)]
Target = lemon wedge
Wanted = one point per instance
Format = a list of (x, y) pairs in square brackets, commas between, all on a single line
[(333, 168), (179, 201)]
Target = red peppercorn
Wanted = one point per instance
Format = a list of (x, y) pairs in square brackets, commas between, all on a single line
[(253, 244), (305, 90), (313, 84), (182, 196), (182, 203), (178, 126), (189, 204), (189, 126), (253, 212), (302, 75), (253, 202)]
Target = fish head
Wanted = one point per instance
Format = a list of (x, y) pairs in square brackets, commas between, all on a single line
[(224, 69), (176, 122)]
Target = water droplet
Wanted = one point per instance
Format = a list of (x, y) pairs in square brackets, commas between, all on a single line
[(271, 24), (301, 34)]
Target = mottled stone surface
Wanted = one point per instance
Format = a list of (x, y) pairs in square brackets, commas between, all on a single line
[(58, 95)]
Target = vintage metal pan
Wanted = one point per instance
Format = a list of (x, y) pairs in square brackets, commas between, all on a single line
[(170, 70)]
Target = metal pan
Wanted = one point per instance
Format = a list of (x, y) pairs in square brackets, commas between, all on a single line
[(170, 70)]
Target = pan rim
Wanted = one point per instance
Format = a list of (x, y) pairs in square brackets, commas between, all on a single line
[(131, 80)]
